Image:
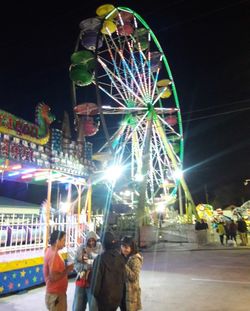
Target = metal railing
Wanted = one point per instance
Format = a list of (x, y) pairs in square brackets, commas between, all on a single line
[(19, 233)]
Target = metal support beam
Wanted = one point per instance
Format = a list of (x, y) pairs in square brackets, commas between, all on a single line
[(47, 213), (190, 203)]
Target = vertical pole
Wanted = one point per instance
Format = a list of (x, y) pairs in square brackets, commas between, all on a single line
[(89, 203), (180, 199), (143, 184), (79, 189), (69, 199), (79, 226), (57, 197), (206, 194), (47, 213), (69, 213)]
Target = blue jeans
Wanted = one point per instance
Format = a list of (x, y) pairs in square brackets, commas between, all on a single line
[(81, 298)]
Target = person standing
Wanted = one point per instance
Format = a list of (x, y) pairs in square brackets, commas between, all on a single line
[(108, 276), (242, 229), (56, 273), (198, 229), (132, 291), (221, 231), (232, 231), (85, 255), (204, 232), (227, 234)]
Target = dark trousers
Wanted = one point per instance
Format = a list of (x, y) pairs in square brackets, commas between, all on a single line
[(233, 237), (123, 305), (222, 239), (123, 302)]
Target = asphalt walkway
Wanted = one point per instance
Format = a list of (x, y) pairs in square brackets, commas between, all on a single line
[(191, 246), (157, 255)]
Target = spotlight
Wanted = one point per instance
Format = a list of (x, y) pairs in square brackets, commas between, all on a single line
[(113, 173)]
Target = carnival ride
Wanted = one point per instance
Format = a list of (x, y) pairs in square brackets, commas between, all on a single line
[(37, 154), (119, 53)]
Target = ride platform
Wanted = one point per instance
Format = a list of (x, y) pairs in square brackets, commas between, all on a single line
[(22, 270)]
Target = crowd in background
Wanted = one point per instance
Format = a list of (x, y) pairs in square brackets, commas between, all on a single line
[(229, 231)]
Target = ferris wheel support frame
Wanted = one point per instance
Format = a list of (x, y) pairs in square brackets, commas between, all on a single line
[(190, 203), (144, 170)]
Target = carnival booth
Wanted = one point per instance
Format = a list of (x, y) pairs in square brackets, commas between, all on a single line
[(37, 154)]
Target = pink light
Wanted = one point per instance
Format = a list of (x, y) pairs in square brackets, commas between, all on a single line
[(26, 176)]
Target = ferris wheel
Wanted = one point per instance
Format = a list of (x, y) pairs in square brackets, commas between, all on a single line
[(118, 53)]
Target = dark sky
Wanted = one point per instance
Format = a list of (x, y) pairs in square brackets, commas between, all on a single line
[(207, 44)]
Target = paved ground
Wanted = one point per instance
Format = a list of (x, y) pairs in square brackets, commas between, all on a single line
[(176, 277)]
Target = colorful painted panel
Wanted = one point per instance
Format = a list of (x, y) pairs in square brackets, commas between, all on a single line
[(18, 275), (17, 280)]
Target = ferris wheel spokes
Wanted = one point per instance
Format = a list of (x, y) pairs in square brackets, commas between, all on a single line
[(131, 70)]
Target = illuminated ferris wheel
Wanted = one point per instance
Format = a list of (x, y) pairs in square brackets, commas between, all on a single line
[(119, 53)]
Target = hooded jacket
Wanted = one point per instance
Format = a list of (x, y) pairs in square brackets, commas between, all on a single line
[(91, 253), (108, 279)]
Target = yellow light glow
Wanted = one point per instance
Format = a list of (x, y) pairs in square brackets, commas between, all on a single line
[(16, 167)]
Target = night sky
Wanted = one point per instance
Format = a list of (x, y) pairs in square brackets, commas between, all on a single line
[(207, 44)]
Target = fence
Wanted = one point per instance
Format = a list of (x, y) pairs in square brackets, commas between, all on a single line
[(19, 233)]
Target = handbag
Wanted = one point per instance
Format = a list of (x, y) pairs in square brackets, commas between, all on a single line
[(82, 280)]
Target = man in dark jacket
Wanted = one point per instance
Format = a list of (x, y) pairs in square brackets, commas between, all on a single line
[(242, 228), (108, 275)]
